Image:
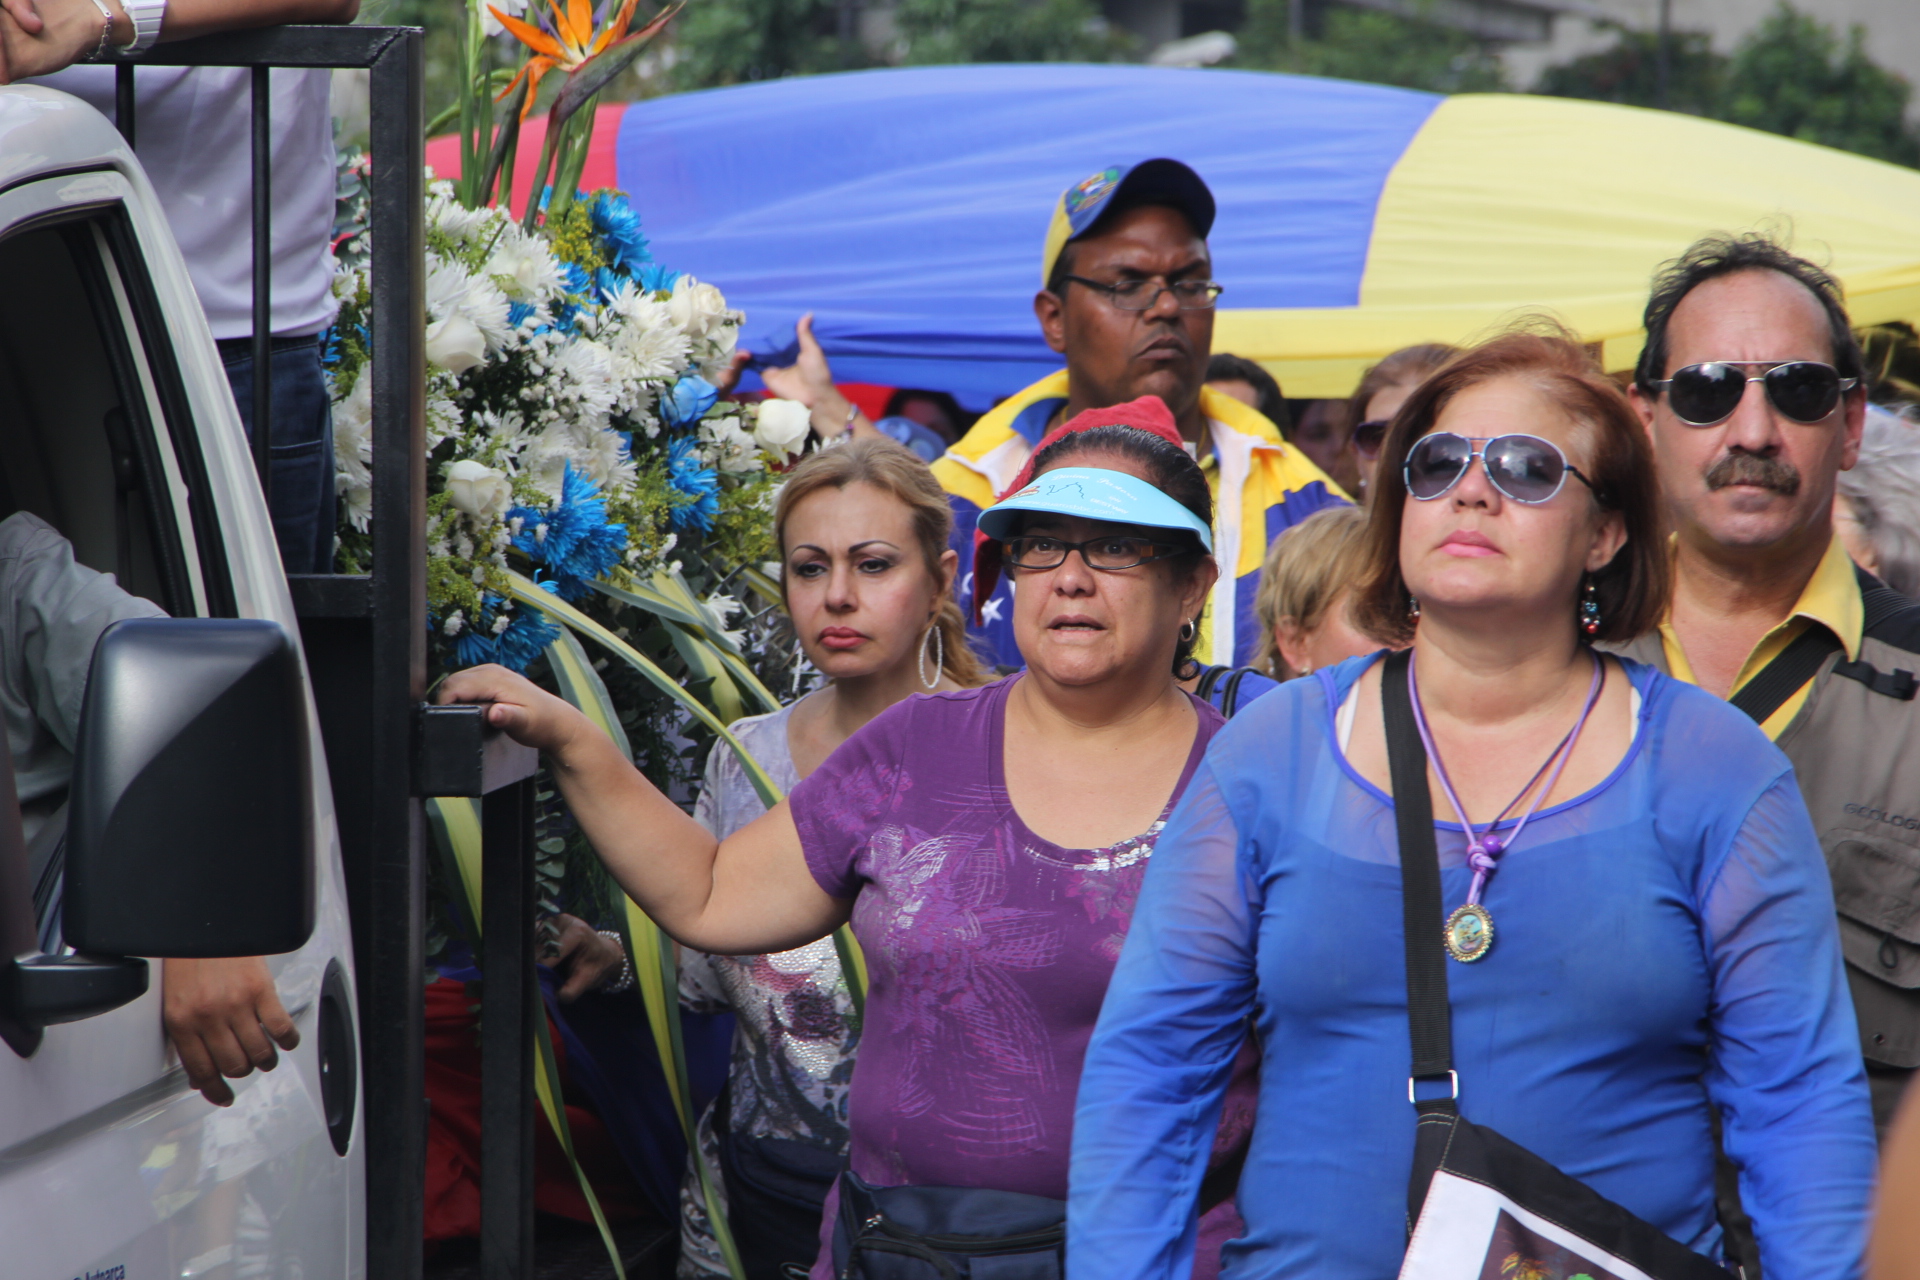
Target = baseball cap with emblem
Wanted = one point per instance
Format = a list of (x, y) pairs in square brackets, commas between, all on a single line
[(1125, 186)]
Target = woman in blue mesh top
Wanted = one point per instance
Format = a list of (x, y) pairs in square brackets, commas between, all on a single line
[(1643, 933)]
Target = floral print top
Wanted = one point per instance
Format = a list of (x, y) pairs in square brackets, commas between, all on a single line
[(988, 949)]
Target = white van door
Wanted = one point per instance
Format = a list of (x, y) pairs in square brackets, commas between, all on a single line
[(117, 429)]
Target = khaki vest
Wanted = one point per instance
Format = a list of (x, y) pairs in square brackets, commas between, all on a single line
[(1856, 751)]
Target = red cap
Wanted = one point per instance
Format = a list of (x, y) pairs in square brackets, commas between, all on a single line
[(1148, 413)]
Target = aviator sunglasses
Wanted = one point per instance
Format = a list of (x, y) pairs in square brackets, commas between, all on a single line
[(1526, 469), (1705, 395)]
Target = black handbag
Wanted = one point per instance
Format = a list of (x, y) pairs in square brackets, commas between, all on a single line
[(776, 1191), (1477, 1199), (946, 1233)]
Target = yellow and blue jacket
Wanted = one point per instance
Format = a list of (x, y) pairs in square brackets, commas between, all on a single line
[(1262, 486)]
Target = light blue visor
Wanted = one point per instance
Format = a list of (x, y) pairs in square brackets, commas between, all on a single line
[(1095, 494)]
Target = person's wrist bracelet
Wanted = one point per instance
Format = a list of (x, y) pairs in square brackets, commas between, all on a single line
[(625, 981), (106, 32), (146, 16)]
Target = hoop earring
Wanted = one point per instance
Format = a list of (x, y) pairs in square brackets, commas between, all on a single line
[(939, 659), (1590, 610), (1188, 631)]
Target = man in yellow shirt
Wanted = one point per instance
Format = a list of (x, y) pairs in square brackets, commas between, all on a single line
[(1127, 298), (1751, 388)]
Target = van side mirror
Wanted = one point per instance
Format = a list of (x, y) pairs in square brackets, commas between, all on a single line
[(190, 827)]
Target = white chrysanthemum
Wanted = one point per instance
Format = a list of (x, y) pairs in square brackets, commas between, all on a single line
[(523, 266), (353, 449), (643, 353), (454, 220), (584, 370)]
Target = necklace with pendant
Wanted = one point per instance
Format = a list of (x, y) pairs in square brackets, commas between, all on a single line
[(1469, 931)]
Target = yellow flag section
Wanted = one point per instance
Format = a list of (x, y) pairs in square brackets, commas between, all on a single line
[(1505, 204)]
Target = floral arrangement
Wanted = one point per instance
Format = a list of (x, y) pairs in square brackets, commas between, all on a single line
[(573, 425), (586, 478)]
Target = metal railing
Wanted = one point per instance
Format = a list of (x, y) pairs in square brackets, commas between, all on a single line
[(365, 639)]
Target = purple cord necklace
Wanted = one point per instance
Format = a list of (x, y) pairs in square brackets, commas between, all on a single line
[(1469, 932)]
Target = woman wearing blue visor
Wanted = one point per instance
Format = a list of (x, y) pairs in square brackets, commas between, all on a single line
[(987, 845)]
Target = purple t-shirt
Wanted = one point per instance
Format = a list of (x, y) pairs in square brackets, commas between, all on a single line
[(988, 949)]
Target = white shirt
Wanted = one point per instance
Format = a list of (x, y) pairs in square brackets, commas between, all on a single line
[(193, 135), (52, 611)]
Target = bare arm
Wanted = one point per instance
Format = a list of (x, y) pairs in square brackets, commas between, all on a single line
[(748, 894), (39, 37)]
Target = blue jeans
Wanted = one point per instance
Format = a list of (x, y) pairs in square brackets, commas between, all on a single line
[(302, 500)]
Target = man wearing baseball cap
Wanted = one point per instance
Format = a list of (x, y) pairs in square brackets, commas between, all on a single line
[(1127, 298)]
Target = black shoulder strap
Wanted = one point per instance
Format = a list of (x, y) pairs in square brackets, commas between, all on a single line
[(1891, 618), (1209, 677), (1780, 679), (1230, 695), (1427, 1014)]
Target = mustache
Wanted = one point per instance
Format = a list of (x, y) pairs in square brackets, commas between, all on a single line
[(1751, 468)]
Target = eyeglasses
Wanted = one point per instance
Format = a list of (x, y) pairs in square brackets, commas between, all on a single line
[(1526, 469), (1704, 395), (1107, 554), (1140, 295), (1368, 436)]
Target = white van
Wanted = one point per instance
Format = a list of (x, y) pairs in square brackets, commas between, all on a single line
[(200, 820)]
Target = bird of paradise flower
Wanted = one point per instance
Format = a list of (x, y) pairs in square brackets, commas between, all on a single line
[(590, 60)]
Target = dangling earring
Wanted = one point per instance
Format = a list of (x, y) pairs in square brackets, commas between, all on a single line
[(1590, 610), (1413, 608), (1188, 631), (939, 643)]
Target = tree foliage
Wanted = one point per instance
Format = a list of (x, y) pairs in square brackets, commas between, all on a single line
[(721, 42), (945, 31), (1366, 44), (1792, 75)]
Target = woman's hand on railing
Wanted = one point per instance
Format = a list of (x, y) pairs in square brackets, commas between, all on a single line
[(523, 710)]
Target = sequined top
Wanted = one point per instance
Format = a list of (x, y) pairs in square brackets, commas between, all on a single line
[(792, 1049)]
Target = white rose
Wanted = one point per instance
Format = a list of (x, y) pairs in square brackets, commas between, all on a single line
[(782, 426), (481, 491), (456, 343), (695, 307)]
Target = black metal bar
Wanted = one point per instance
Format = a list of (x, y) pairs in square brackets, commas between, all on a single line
[(294, 46), (395, 865), (123, 101), (331, 595), (509, 1002), (263, 281)]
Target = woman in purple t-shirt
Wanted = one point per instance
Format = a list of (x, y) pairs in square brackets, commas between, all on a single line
[(987, 844)]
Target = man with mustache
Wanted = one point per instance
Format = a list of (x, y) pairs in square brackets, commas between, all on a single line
[(1751, 387), (1127, 298)]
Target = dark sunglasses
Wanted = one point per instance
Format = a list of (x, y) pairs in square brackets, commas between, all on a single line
[(1368, 436), (1704, 395), (1109, 554), (1526, 469)]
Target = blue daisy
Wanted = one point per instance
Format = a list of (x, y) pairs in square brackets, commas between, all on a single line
[(577, 544), (688, 477)]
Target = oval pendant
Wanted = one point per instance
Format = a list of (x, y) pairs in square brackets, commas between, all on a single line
[(1469, 933)]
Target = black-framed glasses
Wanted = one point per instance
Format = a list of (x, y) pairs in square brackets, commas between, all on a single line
[(1368, 436), (1109, 553), (1526, 469), (1705, 395), (1140, 295)]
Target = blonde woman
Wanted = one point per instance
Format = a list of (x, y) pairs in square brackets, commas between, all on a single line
[(867, 577), (1305, 591)]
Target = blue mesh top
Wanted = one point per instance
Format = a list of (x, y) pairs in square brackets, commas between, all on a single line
[(1666, 945)]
